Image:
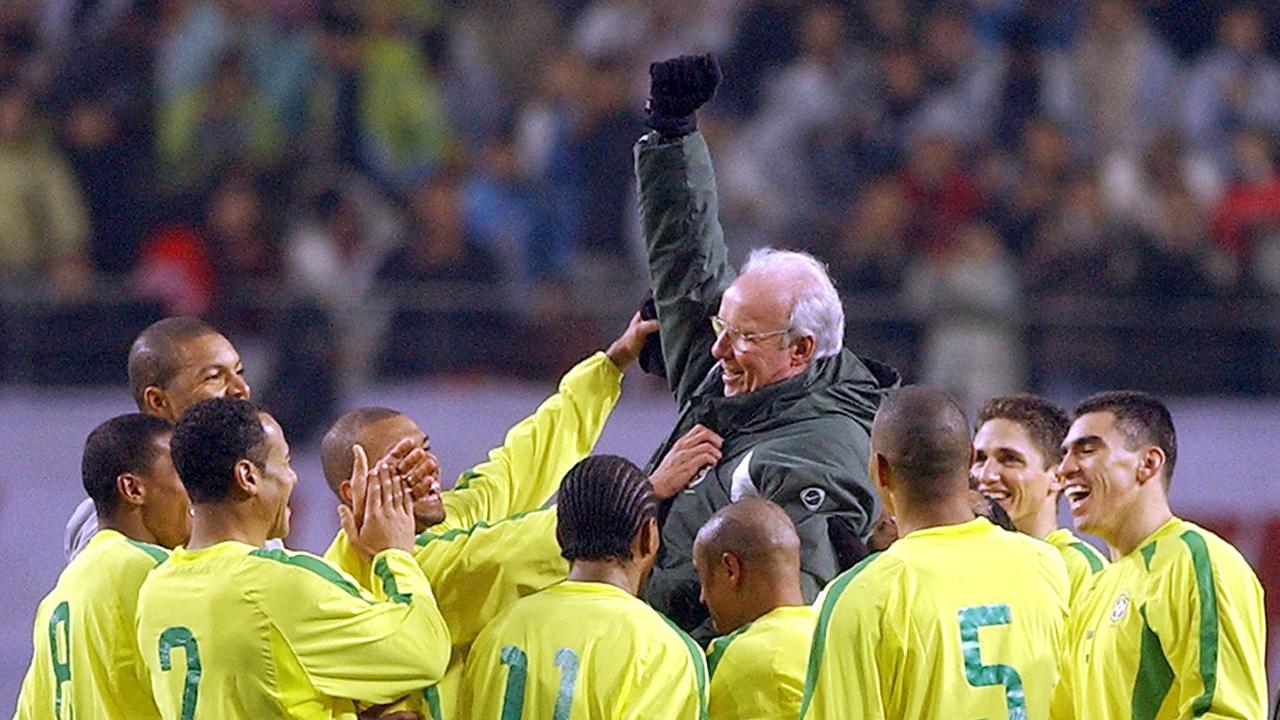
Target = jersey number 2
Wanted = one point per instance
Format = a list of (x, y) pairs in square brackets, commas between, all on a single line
[(979, 675), (180, 637), (517, 663)]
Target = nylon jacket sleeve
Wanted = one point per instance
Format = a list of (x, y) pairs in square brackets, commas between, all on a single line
[(1213, 618), (353, 645), (688, 261), (526, 471)]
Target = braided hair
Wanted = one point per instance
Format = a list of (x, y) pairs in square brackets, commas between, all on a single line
[(604, 502)]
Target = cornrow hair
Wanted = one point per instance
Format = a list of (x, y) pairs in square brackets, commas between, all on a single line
[(604, 501)]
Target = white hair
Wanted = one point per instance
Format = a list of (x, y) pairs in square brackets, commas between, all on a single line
[(816, 310)]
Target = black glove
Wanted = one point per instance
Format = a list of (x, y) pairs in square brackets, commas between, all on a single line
[(678, 87), (651, 354)]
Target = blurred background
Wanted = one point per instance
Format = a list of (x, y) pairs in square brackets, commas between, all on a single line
[(432, 199)]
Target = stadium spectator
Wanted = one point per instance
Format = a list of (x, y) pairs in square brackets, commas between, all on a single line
[(967, 295), (748, 560), (618, 654), (898, 634), (943, 192), (1174, 588), (85, 624), (1248, 215), (1016, 450), (173, 364), (769, 371), (1116, 85), (1235, 84), (964, 79), (203, 130), (273, 629), (871, 250), (44, 224)]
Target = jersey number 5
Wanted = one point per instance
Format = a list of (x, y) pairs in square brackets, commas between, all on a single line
[(180, 637), (979, 675), (517, 663)]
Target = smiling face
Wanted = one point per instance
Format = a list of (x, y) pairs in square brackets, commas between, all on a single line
[(378, 438), (1011, 470), (757, 305), (209, 367), (1099, 475)]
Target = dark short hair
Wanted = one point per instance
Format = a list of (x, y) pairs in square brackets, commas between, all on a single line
[(123, 444), (1045, 421), (604, 501), (1143, 419), (923, 434), (336, 453), (210, 438), (155, 355)]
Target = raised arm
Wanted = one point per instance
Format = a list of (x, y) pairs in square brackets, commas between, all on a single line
[(688, 261)]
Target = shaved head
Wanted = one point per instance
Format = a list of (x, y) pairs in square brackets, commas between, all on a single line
[(923, 436), (752, 529), (747, 557), (336, 454)]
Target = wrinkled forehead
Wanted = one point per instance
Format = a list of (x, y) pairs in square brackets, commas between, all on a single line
[(1004, 433), (377, 438), (757, 297), (205, 351), (1100, 425)]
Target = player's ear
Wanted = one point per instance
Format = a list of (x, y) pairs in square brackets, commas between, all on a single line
[(155, 402), (129, 488), (733, 568), (1151, 463), (246, 474), (646, 543), (344, 494), (880, 471)]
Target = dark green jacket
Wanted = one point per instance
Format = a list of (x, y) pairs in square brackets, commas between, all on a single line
[(801, 443)]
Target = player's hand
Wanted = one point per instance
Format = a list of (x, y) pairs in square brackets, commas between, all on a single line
[(626, 348), (384, 712), (697, 449), (381, 512), (677, 88), (416, 467)]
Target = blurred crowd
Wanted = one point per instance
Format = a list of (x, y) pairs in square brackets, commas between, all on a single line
[(964, 158)]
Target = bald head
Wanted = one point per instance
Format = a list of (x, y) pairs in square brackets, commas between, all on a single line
[(336, 453), (922, 436), (747, 557), (753, 530)]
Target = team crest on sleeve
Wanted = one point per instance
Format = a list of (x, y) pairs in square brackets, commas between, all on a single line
[(1120, 609), (812, 497)]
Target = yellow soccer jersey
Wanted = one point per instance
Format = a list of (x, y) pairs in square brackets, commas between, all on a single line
[(757, 671), (957, 621), (537, 452), (86, 663), (476, 573), (583, 651), (1174, 629), (233, 632), (1083, 560)]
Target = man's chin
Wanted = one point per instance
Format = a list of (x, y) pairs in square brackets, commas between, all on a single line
[(428, 518)]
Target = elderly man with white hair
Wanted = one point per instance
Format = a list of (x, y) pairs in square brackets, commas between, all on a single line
[(771, 404)]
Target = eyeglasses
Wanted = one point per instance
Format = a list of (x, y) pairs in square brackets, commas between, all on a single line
[(741, 339)]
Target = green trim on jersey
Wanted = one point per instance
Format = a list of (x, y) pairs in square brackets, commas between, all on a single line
[(1148, 551), (1208, 597), (389, 586), (834, 590), (431, 696), (1155, 676), (719, 646), (1095, 562), (699, 666), (427, 537), (313, 565), (156, 552), (464, 480)]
